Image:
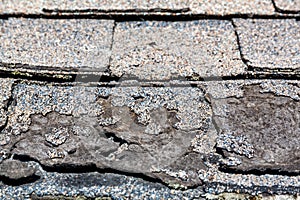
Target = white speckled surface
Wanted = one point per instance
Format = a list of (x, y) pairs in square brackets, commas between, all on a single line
[(288, 5), (166, 7), (165, 50), (271, 43), (71, 43)]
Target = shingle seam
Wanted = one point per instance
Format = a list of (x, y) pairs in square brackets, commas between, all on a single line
[(119, 17), (111, 46), (152, 10), (244, 60)]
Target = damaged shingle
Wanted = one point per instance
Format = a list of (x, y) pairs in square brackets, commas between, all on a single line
[(153, 50), (260, 129)]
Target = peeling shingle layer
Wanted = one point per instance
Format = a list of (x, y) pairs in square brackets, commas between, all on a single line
[(184, 136), (188, 100)]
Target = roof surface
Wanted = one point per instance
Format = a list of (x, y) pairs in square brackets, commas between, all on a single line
[(149, 99)]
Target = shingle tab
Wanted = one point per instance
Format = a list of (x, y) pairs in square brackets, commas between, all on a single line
[(292, 6), (164, 50), (73, 43), (162, 132), (270, 43)]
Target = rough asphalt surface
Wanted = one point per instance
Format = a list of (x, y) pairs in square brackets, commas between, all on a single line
[(150, 99)]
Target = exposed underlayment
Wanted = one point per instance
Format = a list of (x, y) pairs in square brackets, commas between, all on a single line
[(178, 137), (149, 99), (251, 122)]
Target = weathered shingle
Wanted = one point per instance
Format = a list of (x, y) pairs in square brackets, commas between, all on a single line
[(260, 129), (164, 50), (203, 116), (106, 126), (163, 132), (270, 43), (292, 6), (73, 43)]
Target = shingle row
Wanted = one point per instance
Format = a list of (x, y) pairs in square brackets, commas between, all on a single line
[(181, 135), (151, 50)]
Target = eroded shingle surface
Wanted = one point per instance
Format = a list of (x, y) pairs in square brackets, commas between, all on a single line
[(15, 169), (288, 5), (235, 135), (270, 43), (175, 134), (5, 95), (72, 43), (139, 130), (260, 129), (165, 50)]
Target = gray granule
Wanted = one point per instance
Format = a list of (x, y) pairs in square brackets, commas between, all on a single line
[(165, 50), (269, 45), (291, 5), (214, 7), (70, 43)]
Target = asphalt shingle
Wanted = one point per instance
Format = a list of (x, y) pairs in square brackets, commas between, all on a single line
[(165, 50), (106, 126), (21, 7), (292, 6), (260, 129), (162, 132), (170, 7), (115, 5), (221, 7), (76, 43), (225, 133), (270, 43)]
